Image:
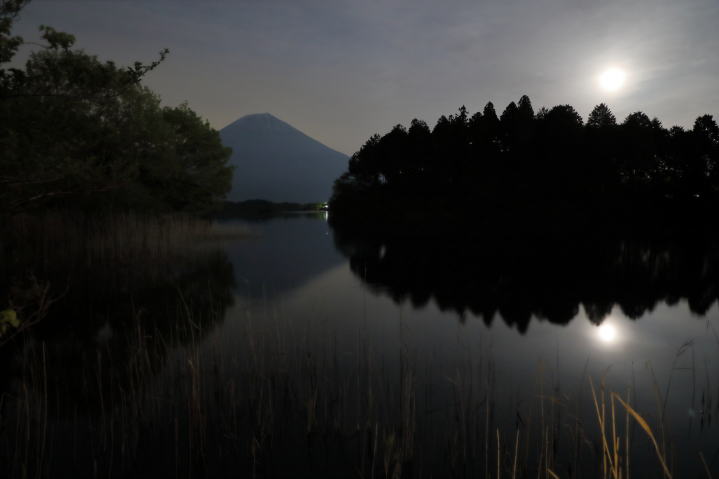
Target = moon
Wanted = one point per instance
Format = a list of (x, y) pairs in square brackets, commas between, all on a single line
[(612, 79)]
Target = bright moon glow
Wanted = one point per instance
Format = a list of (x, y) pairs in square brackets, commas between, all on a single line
[(607, 333), (612, 79)]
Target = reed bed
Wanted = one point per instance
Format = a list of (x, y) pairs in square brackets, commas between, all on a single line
[(58, 240)]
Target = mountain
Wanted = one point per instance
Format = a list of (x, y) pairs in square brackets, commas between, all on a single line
[(277, 162)]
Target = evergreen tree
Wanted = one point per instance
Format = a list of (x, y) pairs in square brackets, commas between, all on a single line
[(601, 117), (526, 112)]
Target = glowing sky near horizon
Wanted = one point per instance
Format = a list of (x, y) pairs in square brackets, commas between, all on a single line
[(343, 70)]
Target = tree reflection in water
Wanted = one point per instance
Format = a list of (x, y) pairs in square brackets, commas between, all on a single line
[(113, 335), (546, 278)]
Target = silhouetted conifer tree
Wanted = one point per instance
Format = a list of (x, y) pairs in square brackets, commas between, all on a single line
[(601, 117)]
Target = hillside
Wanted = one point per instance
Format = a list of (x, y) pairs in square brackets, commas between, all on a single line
[(277, 162)]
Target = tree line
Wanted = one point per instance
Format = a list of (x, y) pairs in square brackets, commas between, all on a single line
[(80, 132), (543, 160)]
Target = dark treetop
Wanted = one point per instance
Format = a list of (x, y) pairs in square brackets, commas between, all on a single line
[(531, 171)]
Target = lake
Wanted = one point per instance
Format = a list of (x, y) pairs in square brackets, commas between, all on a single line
[(296, 350)]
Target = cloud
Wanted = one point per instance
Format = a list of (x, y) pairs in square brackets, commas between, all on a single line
[(343, 70)]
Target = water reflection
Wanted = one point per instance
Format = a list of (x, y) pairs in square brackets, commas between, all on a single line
[(550, 279), (102, 356), (123, 329), (197, 372), (607, 333), (281, 254)]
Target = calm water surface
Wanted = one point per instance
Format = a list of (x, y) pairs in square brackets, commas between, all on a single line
[(297, 281), (294, 350)]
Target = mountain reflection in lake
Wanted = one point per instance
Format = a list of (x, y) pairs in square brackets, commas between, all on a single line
[(328, 354)]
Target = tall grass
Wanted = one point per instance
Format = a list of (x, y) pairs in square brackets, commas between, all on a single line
[(60, 240)]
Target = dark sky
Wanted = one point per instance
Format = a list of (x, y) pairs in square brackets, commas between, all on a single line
[(341, 70)]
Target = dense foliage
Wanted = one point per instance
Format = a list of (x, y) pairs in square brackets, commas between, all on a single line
[(76, 131), (529, 165)]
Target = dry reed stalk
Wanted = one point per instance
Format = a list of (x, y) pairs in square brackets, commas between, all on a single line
[(706, 466), (648, 430), (499, 449), (514, 462), (627, 456), (599, 406)]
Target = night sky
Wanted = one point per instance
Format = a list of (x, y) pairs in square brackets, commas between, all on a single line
[(342, 70)]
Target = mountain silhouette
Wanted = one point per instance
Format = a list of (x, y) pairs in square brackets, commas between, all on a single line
[(277, 162)]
